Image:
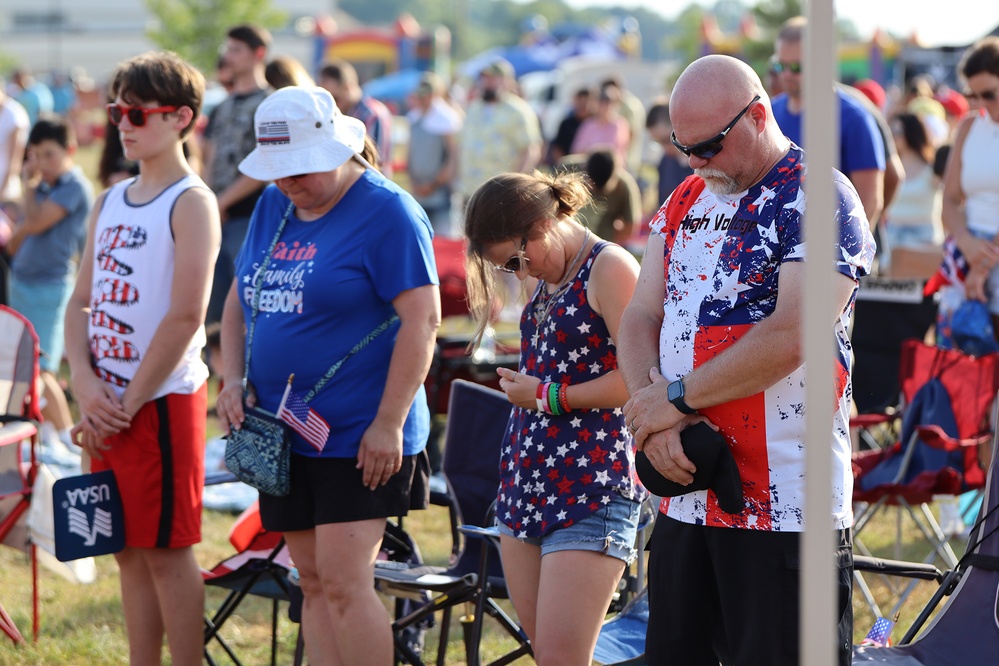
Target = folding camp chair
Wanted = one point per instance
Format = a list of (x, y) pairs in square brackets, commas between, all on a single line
[(260, 568), (622, 638), (19, 415), (965, 632), (947, 398), (477, 419)]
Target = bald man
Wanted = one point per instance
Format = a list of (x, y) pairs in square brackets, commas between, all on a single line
[(714, 332)]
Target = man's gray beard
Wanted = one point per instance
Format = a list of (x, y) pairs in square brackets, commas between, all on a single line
[(718, 181)]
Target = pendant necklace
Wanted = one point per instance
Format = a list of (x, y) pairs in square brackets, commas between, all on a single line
[(545, 303)]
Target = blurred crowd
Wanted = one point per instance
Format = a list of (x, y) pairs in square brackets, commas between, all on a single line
[(455, 135)]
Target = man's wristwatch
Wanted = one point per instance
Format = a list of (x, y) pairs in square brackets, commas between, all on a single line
[(674, 392)]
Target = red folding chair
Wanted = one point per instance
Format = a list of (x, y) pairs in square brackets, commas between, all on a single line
[(19, 418), (947, 402), (259, 568)]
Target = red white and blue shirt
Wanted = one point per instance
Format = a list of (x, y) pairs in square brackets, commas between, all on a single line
[(557, 470), (722, 261), (133, 271)]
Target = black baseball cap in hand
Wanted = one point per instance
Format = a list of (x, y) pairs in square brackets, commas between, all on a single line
[(716, 469)]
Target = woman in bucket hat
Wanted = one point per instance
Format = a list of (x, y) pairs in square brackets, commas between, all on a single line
[(337, 253)]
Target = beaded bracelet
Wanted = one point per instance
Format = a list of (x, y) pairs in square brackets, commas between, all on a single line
[(563, 401)]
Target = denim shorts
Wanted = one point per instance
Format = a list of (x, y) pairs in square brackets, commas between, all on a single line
[(919, 236), (611, 530)]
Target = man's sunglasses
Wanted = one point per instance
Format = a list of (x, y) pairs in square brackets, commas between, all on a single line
[(987, 96), (136, 114), (778, 67), (708, 149), (518, 261)]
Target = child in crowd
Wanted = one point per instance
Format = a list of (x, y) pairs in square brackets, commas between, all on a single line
[(44, 248), (134, 335)]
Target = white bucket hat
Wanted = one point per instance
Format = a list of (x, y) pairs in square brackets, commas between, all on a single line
[(300, 131)]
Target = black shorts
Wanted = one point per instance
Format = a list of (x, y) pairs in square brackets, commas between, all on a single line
[(732, 596), (330, 490)]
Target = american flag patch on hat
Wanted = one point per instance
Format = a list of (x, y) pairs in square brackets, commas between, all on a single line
[(271, 133)]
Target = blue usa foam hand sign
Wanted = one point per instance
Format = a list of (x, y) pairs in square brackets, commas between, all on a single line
[(89, 519)]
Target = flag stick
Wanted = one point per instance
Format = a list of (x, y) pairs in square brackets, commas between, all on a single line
[(287, 390)]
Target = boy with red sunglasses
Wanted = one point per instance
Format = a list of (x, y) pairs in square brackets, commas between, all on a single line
[(134, 336)]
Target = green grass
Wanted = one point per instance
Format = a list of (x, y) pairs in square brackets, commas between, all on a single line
[(82, 624)]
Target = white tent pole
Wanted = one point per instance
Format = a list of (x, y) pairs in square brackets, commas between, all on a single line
[(818, 599)]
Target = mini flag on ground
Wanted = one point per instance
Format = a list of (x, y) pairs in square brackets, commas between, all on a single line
[(303, 419), (880, 633)]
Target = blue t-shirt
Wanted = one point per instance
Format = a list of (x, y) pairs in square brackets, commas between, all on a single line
[(50, 257), (860, 143), (329, 283)]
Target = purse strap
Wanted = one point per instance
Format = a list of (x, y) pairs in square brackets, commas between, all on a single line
[(255, 307)]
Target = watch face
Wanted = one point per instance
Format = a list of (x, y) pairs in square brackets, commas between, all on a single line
[(674, 390)]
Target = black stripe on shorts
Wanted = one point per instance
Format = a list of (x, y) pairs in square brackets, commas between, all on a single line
[(166, 460)]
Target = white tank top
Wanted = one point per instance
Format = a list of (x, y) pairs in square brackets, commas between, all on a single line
[(918, 201), (980, 175), (132, 282)]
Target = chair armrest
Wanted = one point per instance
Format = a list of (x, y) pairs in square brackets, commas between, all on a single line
[(480, 532), (15, 431), (938, 439), (869, 420), (897, 568)]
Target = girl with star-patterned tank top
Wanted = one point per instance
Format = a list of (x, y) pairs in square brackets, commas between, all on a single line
[(569, 498)]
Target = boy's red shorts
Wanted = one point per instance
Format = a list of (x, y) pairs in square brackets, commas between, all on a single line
[(159, 464)]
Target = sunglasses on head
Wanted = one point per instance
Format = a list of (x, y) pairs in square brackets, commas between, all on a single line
[(777, 66), (708, 149), (136, 114), (518, 261), (987, 96)]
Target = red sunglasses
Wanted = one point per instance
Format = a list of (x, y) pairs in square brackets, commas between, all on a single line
[(136, 114)]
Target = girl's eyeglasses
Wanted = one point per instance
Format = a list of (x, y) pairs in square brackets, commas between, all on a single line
[(136, 114), (518, 261)]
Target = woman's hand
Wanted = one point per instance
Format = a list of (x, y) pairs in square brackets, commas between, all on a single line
[(979, 252), (229, 405), (521, 390), (380, 454), (104, 411), (975, 281)]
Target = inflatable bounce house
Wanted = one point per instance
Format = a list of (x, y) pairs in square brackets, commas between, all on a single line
[(389, 60)]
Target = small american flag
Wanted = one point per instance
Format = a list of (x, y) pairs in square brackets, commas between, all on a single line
[(304, 420), (880, 633)]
